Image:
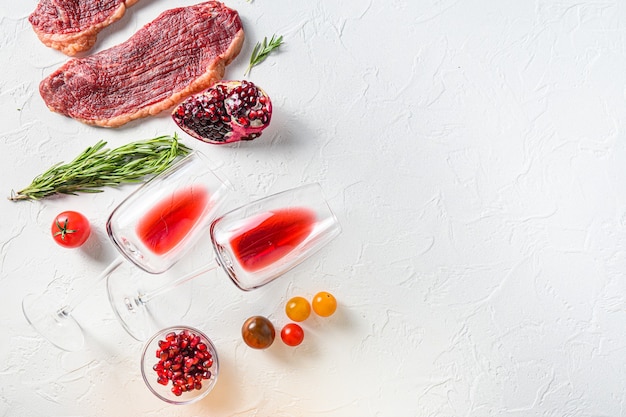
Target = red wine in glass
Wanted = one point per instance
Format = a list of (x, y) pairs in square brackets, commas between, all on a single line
[(169, 221), (271, 236)]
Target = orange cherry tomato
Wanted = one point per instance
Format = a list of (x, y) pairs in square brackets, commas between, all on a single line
[(298, 309), (324, 304)]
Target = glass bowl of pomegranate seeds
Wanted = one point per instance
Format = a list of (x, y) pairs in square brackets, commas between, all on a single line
[(179, 365)]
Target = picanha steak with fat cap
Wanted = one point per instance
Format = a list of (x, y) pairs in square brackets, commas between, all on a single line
[(180, 53), (72, 26)]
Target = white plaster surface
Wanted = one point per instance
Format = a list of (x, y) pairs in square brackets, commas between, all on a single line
[(475, 154)]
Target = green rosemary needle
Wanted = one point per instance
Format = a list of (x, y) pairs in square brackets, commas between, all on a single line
[(262, 50), (97, 167)]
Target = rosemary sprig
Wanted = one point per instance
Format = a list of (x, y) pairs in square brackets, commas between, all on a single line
[(262, 50), (97, 167)]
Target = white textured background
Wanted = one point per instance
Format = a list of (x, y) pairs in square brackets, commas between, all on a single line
[(475, 154)]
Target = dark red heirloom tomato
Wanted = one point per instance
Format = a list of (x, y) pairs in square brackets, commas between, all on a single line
[(258, 332), (70, 229)]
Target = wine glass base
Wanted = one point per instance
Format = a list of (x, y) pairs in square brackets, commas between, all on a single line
[(132, 314), (142, 319), (45, 315)]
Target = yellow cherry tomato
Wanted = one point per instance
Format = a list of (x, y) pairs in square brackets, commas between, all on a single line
[(298, 308), (324, 304)]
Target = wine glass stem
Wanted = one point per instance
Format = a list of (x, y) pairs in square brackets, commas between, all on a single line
[(146, 297), (67, 309)]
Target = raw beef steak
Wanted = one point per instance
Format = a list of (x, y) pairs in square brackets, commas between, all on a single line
[(182, 52), (72, 26)]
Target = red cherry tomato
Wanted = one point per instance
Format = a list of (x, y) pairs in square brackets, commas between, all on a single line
[(70, 229), (292, 334)]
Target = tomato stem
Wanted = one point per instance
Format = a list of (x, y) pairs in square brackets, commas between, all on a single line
[(63, 230)]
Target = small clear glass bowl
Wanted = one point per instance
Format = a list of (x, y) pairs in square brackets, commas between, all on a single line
[(150, 376)]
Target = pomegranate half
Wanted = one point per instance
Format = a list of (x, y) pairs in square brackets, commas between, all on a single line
[(227, 112)]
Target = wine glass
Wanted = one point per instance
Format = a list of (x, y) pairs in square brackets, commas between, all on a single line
[(254, 244), (155, 226), (152, 228)]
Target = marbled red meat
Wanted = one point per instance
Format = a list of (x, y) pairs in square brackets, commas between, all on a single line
[(72, 26), (182, 52)]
